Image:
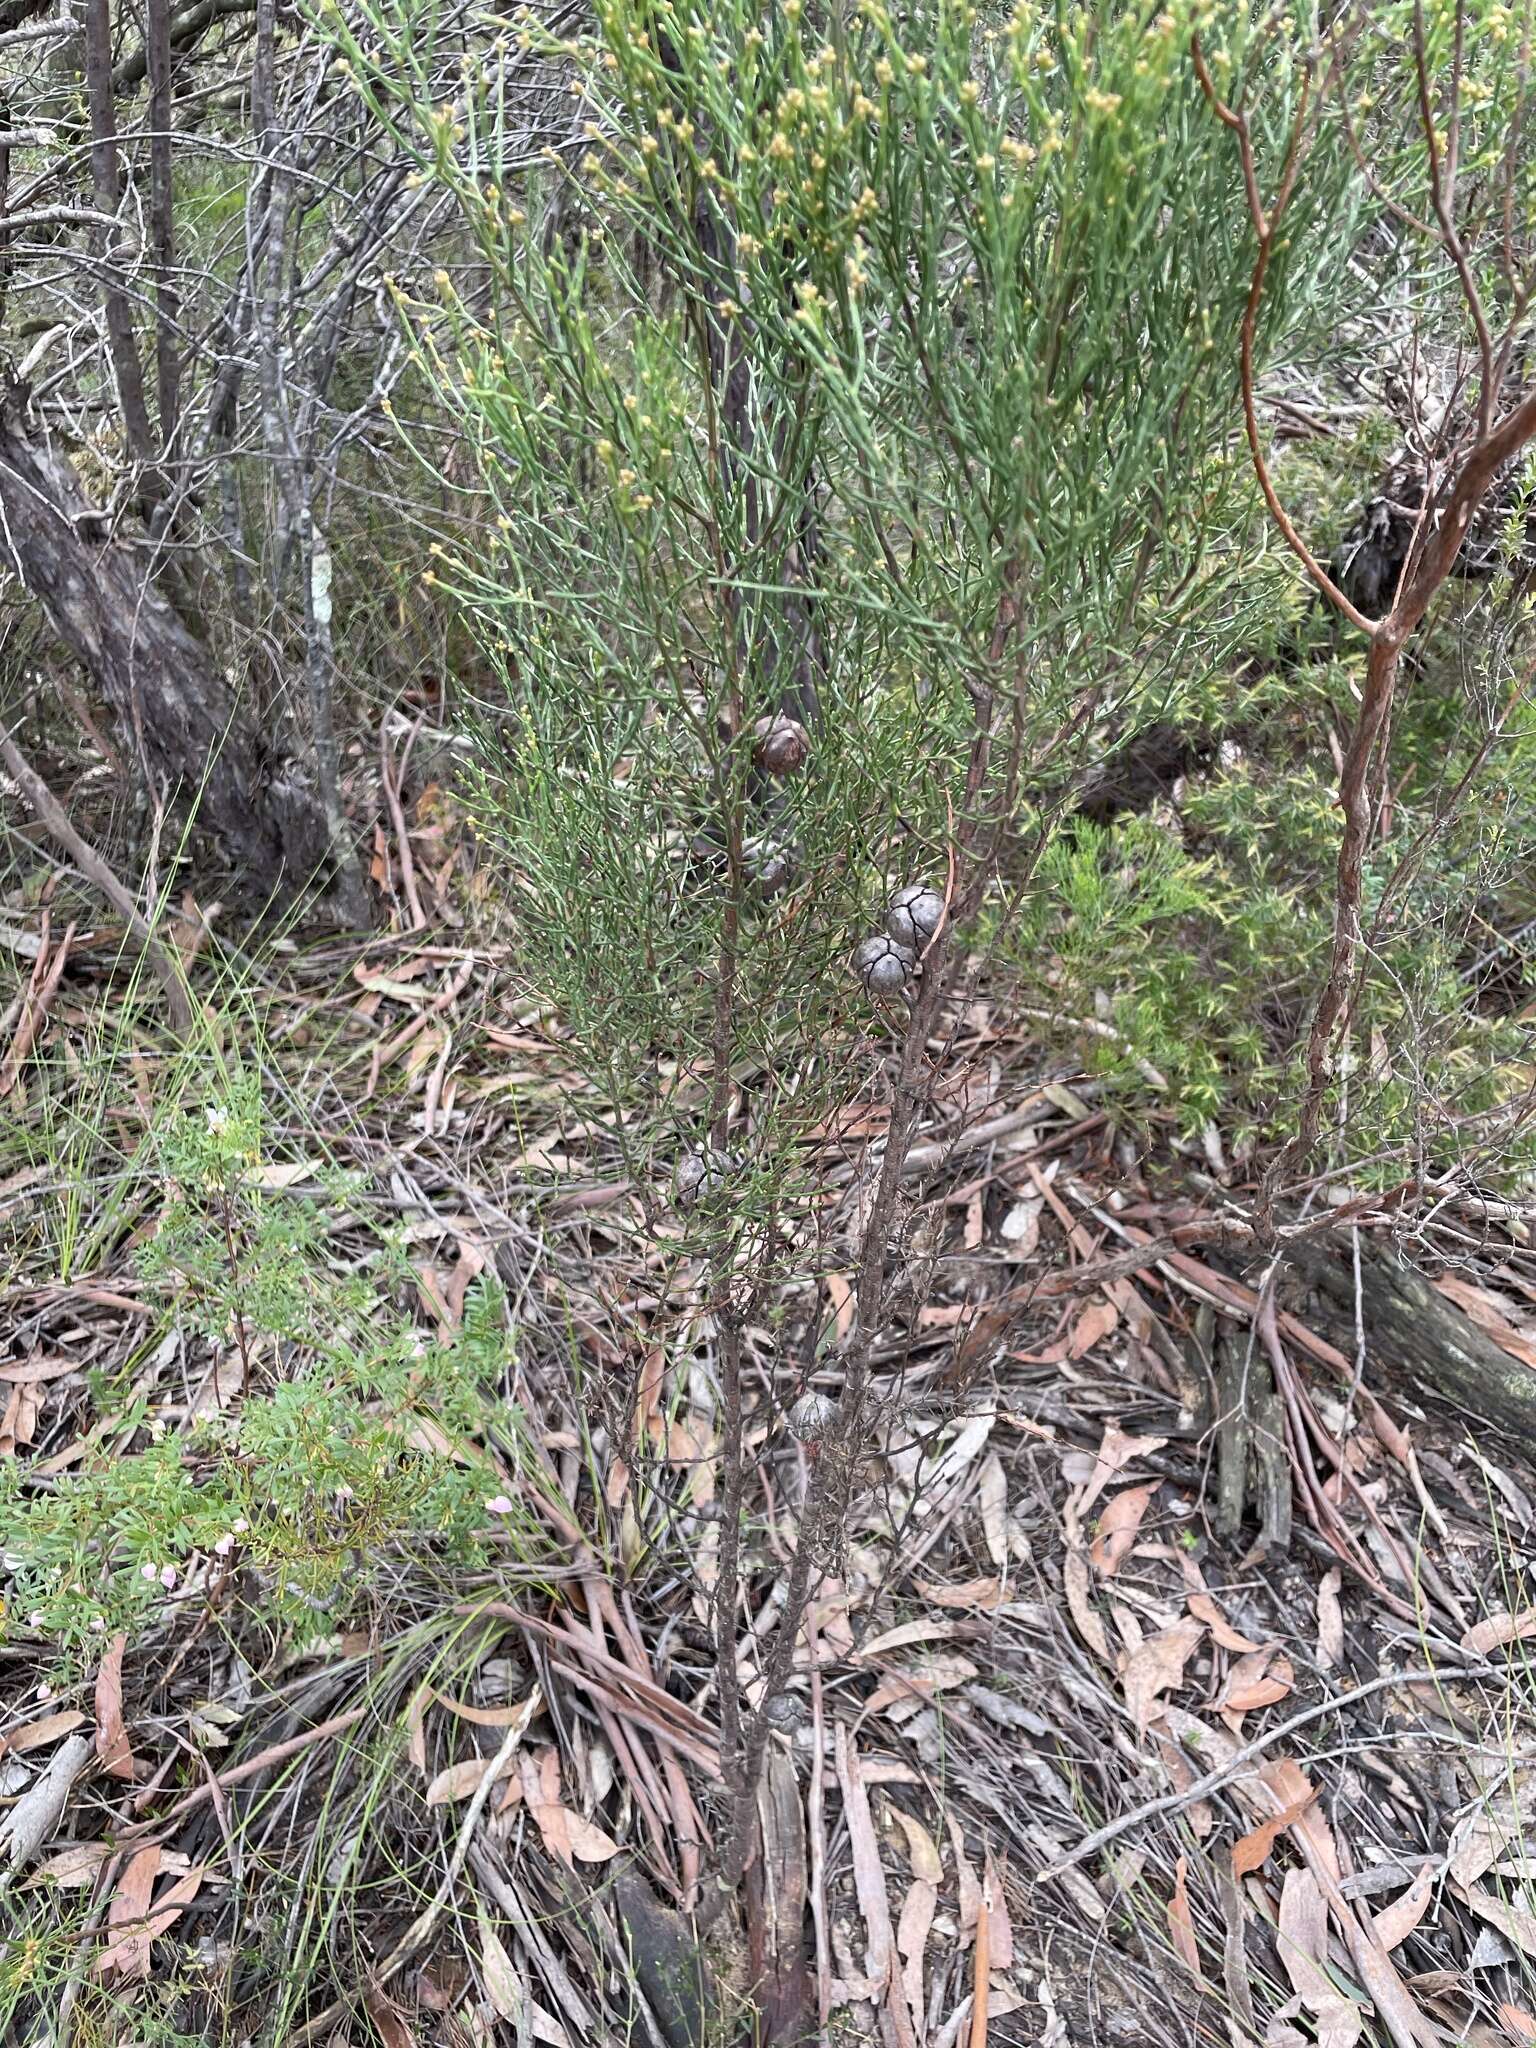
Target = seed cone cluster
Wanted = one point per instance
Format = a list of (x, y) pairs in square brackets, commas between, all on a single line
[(888, 962)]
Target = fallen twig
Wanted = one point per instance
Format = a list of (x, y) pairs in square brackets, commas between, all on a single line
[(1223, 1774), (279, 1753), (397, 819), (43, 985)]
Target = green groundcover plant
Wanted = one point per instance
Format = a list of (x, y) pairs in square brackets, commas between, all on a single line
[(283, 1423)]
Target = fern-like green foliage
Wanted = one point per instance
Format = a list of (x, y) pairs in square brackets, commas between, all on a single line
[(350, 1436)]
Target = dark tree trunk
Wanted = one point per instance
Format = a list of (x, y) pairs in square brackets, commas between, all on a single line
[(196, 741), (157, 46)]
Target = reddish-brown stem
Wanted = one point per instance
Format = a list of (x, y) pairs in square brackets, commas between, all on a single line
[(1437, 544), (1265, 224), (1442, 193)]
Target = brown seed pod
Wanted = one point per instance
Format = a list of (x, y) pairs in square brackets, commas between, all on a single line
[(780, 746), (771, 864), (702, 1177)]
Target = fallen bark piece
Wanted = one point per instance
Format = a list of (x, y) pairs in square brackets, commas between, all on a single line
[(1412, 1328), (35, 1815)]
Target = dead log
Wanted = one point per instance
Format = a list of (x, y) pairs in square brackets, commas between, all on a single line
[(198, 743), (1414, 1331)]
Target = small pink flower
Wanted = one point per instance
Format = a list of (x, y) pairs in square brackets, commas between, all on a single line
[(98, 1623), (167, 1576), (239, 1525), (149, 1571), (225, 1544), (498, 1504)]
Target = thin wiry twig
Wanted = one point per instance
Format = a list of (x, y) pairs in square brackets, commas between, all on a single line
[(1223, 1774)]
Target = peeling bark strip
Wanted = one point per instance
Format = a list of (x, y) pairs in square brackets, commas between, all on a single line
[(164, 689)]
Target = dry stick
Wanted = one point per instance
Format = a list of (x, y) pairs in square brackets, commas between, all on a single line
[(816, 1827), (1325, 1515), (1223, 1774), (981, 1983), (279, 1753), (55, 821), (494, 1874), (34, 1005), (939, 1152), (397, 819), (1096, 1028), (703, 1756), (631, 1688), (734, 1763), (1301, 1406)]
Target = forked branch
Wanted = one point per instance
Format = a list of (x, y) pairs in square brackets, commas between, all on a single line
[(1437, 543)]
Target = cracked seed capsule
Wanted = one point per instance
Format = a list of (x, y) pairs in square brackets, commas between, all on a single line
[(811, 1417), (883, 965), (914, 915), (771, 865), (700, 1176)]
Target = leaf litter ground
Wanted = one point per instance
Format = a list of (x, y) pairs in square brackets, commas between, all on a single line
[(1119, 1720)]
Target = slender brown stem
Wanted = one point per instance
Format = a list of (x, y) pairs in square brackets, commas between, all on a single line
[(106, 176), (1442, 194), (728, 1578), (157, 48), (239, 1774), (972, 849)]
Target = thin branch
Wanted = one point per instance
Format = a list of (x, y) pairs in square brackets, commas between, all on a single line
[(1442, 192), (1500, 444), (1216, 1780), (1264, 225)]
